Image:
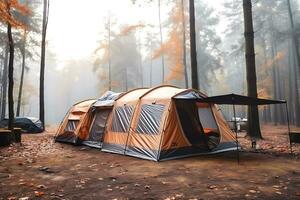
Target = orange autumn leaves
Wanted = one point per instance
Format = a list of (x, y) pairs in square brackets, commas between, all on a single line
[(173, 47), (6, 6), (265, 83)]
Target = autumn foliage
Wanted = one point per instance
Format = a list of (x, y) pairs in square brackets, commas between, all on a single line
[(6, 6), (172, 48)]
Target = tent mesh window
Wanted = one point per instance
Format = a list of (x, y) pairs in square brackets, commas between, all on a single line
[(209, 125), (71, 125), (121, 118), (150, 119)]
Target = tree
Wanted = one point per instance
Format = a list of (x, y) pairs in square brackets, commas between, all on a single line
[(293, 32), (10, 76), (184, 45), (207, 46), (173, 47), (6, 8), (194, 67), (161, 41), (42, 66), (253, 117), (4, 82), (27, 44)]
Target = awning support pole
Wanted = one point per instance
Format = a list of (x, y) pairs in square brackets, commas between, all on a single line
[(236, 136), (289, 129)]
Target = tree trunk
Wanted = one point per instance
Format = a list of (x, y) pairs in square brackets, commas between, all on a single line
[(141, 74), (109, 56), (296, 93), (184, 46), (42, 67), (275, 85), (294, 37), (4, 82), (253, 117), (194, 67), (291, 90), (151, 60), (10, 78), (161, 43), (296, 55), (22, 74)]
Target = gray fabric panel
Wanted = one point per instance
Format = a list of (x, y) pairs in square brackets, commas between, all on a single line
[(93, 144), (121, 118), (206, 118), (113, 148), (68, 137), (104, 103), (98, 126), (189, 95), (150, 118), (107, 99), (148, 154), (191, 151)]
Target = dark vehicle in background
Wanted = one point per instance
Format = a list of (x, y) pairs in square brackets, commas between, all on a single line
[(27, 124)]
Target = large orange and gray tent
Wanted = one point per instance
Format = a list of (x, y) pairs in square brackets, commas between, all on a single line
[(164, 123), (99, 112), (75, 126)]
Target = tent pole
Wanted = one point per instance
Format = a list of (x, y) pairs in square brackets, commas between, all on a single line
[(288, 123), (236, 136)]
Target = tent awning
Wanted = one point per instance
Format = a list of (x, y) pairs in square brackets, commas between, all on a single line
[(239, 100)]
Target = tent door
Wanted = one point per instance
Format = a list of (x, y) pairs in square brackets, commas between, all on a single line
[(189, 118), (98, 125)]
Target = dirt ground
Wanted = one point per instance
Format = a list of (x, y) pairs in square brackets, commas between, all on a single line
[(42, 169)]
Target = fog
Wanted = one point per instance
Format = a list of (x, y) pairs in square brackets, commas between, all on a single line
[(85, 38)]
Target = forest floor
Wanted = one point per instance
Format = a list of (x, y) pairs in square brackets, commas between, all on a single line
[(42, 169)]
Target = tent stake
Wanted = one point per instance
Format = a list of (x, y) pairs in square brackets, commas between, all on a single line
[(289, 129), (236, 136)]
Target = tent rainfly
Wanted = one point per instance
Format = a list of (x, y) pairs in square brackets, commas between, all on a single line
[(165, 123)]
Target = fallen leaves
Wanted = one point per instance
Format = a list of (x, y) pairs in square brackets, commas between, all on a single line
[(211, 187), (24, 198), (147, 187), (46, 169), (39, 193)]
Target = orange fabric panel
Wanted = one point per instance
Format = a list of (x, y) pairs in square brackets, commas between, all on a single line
[(77, 112), (74, 116), (202, 105), (173, 136), (163, 92), (226, 134), (131, 96), (144, 141), (62, 126), (115, 138), (83, 128)]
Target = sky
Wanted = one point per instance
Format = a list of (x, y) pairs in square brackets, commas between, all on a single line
[(75, 26)]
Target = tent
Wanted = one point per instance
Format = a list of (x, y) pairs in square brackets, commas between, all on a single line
[(166, 122), (99, 112), (27, 124), (75, 126), (235, 99)]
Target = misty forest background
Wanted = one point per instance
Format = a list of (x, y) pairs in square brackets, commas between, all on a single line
[(151, 50)]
